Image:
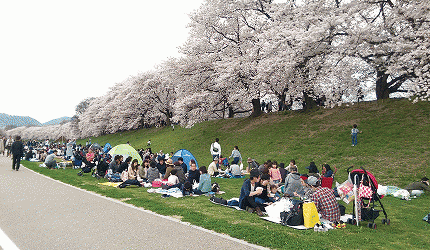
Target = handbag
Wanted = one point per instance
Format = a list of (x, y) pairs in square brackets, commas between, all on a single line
[(310, 214), (365, 191)]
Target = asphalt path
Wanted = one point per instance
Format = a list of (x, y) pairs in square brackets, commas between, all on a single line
[(37, 212)]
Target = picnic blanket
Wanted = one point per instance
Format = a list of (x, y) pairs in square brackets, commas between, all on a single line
[(173, 192), (110, 184)]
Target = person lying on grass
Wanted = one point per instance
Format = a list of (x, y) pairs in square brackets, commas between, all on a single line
[(249, 191), (417, 188)]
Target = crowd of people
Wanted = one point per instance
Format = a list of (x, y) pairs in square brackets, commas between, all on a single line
[(266, 184)]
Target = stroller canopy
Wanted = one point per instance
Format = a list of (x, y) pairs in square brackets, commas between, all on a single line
[(125, 150), (360, 173), (186, 155)]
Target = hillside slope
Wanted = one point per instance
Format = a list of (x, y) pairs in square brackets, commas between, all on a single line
[(393, 144)]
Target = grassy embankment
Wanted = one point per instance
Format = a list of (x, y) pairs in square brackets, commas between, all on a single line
[(393, 146)]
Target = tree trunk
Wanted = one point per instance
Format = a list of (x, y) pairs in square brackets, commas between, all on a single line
[(230, 112), (308, 102), (382, 86), (256, 107)]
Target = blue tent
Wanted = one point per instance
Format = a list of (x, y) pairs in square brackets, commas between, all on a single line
[(107, 147), (186, 155)]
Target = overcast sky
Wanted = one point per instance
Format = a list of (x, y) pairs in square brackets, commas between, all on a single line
[(53, 54)]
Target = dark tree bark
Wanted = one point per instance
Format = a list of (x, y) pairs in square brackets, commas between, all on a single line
[(382, 86), (256, 107), (308, 102)]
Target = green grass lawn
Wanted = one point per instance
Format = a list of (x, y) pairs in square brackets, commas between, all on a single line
[(393, 146)]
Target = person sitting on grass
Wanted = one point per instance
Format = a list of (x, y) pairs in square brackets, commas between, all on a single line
[(193, 173), (179, 172), (132, 176), (161, 165), (50, 161), (142, 171), (124, 165), (275, 174), (169, 168), (417, 188), (292, 183), (173, 180), (327, 171), (249, 191), (153, 172), (213, 168), (183, 165), (307, 189), (313, 170), (263, 198), (204, 182), (324, 200), (274, 194)]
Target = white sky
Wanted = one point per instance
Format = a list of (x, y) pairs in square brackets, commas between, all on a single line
[(53, 54)]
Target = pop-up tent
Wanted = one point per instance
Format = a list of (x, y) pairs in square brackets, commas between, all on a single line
[(125, 150), (107, 147), (186, 155)]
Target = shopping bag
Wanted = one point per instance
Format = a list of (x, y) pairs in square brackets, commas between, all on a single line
[(310, 214)]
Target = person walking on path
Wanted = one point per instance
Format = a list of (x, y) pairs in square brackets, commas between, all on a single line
[(2, 144), (17, 150), (354, 132), (216, 149)]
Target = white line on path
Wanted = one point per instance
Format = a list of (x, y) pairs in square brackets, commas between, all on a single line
[(6, 243), (150, 212)]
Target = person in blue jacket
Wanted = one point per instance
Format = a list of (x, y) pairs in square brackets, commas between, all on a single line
[(248, 192)]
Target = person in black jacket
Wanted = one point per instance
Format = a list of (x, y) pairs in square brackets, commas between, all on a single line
[(17, 150)]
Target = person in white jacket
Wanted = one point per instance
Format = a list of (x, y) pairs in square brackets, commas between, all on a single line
[(215, 149)]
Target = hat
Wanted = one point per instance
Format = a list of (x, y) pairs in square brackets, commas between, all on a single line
[(312, 180), (169, 162), (249, 160)]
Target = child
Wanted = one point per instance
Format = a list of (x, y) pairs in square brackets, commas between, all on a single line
[(274, 194), (354, 132), (274, 173), (173, 180)]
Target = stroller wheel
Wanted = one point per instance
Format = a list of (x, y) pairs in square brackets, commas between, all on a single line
[(388, 222), (371, 225), (384, 221)]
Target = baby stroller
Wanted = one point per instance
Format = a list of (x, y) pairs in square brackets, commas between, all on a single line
[(366, 195)]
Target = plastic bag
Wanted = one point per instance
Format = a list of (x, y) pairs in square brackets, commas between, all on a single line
[(310, 214), (345, 191)]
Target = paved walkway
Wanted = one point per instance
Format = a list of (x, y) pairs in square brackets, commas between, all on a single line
[(41, 213)]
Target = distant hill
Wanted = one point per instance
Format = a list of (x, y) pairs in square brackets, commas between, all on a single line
[(57, 121), (18, 121)]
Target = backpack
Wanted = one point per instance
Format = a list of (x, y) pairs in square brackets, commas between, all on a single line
[(215, 187), (294, 217), (218, 200)]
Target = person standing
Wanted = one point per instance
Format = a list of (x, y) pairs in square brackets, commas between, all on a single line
[(9, 145), (235, 154), (2, 145), (354, 132), (216, 149), (17, 150)]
